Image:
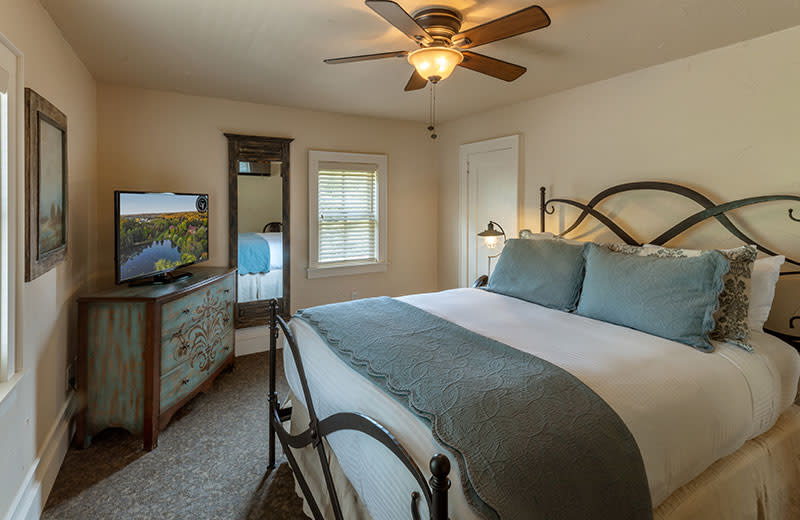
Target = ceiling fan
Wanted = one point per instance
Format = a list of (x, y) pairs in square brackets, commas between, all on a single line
[(443, 47)]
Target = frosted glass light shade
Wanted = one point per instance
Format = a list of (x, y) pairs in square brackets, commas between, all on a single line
[(435, 63), (490, 235)]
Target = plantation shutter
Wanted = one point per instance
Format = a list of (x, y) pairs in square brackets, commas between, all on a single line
[(348, 212)]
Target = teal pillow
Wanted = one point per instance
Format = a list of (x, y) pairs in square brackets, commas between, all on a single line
[(547, 272), (674, 298)]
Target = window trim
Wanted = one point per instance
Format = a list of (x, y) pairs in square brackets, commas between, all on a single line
[(11, 369), (317, 270)]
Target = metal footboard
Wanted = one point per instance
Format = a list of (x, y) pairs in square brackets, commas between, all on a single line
[(434, 492)]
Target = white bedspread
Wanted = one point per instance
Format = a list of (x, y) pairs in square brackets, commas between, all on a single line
[(264, 286), (275, 241), (260, 286), (686, 409)]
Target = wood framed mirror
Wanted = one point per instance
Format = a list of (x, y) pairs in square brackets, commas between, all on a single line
[(258, 182)]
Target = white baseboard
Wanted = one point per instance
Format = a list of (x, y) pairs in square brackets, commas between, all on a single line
[(32, 494), (252, 340)]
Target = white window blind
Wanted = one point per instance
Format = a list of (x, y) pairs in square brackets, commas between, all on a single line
[(348, 212)]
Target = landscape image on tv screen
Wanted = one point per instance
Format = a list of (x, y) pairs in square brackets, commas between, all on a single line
[(160, 231)]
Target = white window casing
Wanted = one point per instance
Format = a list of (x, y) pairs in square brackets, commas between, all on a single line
[(11, 169), (347, 213)]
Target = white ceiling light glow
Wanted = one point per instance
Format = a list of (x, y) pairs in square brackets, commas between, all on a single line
[(435, 63)]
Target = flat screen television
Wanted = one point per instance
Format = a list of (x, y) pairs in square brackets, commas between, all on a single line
[(157, 233)]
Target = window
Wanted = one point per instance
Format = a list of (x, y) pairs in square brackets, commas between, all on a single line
[(347, 213)]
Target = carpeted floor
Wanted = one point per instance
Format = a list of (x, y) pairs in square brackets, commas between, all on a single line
[(210, 462)]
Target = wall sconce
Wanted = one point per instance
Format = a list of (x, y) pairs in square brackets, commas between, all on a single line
[(490, 237)]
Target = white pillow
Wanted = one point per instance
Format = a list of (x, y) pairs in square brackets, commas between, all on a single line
[(527, 234), (530, 235), (762, 289)]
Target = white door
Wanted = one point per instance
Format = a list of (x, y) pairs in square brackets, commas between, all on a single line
[(489, 180), (10, 104)]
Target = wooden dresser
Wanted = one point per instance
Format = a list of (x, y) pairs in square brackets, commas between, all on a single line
[(145, 351)]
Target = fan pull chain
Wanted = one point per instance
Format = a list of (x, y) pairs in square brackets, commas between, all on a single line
[(432, 112)]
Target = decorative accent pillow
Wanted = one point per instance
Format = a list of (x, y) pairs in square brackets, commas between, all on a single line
[(547, 272), (766, 272), (731, 319), (674, 298)]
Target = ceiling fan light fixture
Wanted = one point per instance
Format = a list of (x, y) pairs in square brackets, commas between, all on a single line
[(435, 63)]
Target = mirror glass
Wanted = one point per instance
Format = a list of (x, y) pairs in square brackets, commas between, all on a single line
[(260, 215)]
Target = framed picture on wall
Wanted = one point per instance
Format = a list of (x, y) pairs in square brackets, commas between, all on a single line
[(45, 185)]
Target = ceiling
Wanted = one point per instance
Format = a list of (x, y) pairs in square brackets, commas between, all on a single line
[(271, 51)]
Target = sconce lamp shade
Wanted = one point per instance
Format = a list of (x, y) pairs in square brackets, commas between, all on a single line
[(490, 231), (490, 235)]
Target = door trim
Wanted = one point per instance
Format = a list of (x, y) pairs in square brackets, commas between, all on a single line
[(465, 150)]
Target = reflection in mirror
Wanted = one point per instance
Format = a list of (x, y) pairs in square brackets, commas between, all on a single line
[(260, 215), (260, 168)]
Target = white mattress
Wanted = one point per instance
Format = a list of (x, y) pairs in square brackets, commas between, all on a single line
[(260, 286), (686, 409)]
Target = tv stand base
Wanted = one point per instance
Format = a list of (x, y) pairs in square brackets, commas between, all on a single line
[(162, 279)]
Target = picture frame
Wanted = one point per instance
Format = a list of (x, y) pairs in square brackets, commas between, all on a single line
[(46, 200)]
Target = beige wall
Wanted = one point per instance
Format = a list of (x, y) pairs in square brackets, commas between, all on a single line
[(151, 140), (260, 202), (726, 122), (45, 306)]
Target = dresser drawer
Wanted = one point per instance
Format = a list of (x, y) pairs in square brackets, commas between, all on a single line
[(192, 323), (196, 306), (193, 370)]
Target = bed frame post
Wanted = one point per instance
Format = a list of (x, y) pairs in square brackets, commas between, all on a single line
[(273, 396), (542, 207), (440, 468), (433, 492)]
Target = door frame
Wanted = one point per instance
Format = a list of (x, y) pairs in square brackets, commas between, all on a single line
[(465, 150)]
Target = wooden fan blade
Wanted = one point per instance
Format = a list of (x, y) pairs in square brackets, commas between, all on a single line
[(416, 82), (525, 20), (397, 16), (491, 66), (367, 57)]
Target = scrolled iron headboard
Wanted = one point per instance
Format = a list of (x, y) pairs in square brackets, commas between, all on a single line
[(710, 210)]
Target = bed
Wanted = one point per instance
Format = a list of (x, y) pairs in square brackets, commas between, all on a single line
[(718, 434), (260, 266), (662, 391)]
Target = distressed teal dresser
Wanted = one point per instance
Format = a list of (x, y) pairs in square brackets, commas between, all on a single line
[(145, 351)]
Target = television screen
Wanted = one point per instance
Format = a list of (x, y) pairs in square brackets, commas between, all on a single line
[(159, 232)]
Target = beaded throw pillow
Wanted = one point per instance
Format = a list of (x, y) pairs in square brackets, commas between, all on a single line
[(731, 322)]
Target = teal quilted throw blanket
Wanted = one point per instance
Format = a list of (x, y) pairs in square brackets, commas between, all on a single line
[(530, 439)]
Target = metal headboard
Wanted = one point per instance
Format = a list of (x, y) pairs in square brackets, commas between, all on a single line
[(710, 210)]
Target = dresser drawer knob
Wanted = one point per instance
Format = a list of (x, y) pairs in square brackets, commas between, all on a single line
[(225, 320), (225, 349), (227, 291), (185, 381), (186, 311)]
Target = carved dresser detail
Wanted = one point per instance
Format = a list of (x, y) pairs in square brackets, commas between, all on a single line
[(146, 351)]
